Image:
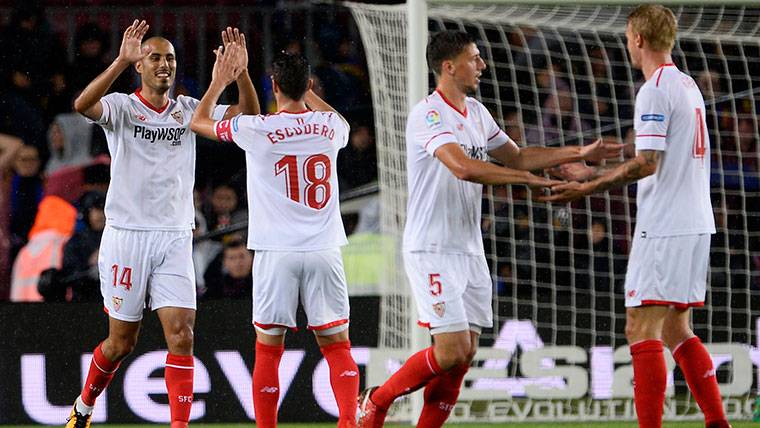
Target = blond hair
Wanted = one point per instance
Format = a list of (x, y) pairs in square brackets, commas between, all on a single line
[(656, 24)]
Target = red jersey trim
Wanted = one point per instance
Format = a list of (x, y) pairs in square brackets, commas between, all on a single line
[(662, 68), (446, 100), (294, 112), (328, 325), (149, 105), (268, 326), (436, 136), (652, 135), (423, 324), (495, 135), (678, 305)]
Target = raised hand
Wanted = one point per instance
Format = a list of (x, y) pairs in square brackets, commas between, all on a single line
[(601, 149), (233, 35), (572, 171), (227, 64), (131, 50)]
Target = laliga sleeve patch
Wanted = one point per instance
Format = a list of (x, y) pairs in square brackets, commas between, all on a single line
[(433, 119), (224, 131), (653, 117)]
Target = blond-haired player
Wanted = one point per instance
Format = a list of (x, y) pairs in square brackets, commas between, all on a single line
[(667, 269)]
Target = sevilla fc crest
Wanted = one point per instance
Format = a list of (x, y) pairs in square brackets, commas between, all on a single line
[(439, 309), (177, 115), (117, 302)]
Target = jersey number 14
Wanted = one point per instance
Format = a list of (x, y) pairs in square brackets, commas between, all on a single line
[(316, 172)]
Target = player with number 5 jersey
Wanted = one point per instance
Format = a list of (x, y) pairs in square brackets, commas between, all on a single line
[(294, 225)]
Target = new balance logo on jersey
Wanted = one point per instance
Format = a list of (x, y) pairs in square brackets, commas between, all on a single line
[(308, 129), (159, 134), (269, 389), (709, 373), (349, 373)]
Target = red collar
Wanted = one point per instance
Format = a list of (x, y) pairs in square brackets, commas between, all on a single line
[(294, 112), (446, 100), (149, 105)]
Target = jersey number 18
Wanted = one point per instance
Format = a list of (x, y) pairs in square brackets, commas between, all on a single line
[(316, 171)]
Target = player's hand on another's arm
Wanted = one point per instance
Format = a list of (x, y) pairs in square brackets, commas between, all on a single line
[(538, 183), (601, 149), (131, 49), (567, 192), (233, 35), (572, 171)]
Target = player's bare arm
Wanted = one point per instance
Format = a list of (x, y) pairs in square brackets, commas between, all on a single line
[(226, 70), (131, 51), (248, 101), (316, 103), (643, 165), (530, 158), (482, 172)]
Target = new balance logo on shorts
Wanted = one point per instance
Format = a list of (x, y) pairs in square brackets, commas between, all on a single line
[(269, 389), (348, 373)]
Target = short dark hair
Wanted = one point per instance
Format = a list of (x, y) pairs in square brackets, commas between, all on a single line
[(446, 45), (291, 73)]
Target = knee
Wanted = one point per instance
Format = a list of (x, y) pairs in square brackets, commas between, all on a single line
[(115, 348), (452, 356), (180, 341)]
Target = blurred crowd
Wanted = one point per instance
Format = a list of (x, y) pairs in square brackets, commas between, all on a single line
[(558, 88), (54, 164)]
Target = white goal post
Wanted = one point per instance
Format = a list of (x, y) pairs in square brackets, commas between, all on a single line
[(558, 73)]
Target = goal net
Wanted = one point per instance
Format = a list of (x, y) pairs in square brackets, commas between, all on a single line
[(557, 75)]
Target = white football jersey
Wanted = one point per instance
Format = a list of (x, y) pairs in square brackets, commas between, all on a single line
[(292, 178), (670, 117), (443, 212), (152, 162)]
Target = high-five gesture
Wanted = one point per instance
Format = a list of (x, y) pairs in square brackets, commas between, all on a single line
[(227, 65), (233, 35), (131, 50)]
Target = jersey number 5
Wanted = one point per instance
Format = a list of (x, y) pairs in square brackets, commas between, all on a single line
[(698, 151), (316, 171)]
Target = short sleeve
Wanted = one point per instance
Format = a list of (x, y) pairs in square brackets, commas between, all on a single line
[(342, 128), (219, 111), (652, 117), (238, 130), (496, 136), (112, 105), (429, 130)]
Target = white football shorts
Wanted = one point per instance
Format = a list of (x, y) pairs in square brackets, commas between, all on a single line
[(670, 271), (317, 277), (453, 291), (135, 264)]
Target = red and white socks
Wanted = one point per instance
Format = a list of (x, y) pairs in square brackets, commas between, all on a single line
[(697, 368), (344, 379), (179, 384), (650, 379), (441, 395), (98, 377), (266, 384), (418, 370)]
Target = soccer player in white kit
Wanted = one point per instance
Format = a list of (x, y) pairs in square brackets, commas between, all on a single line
[(449, 138), (294, 225), (146, 250), (667, 268)]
